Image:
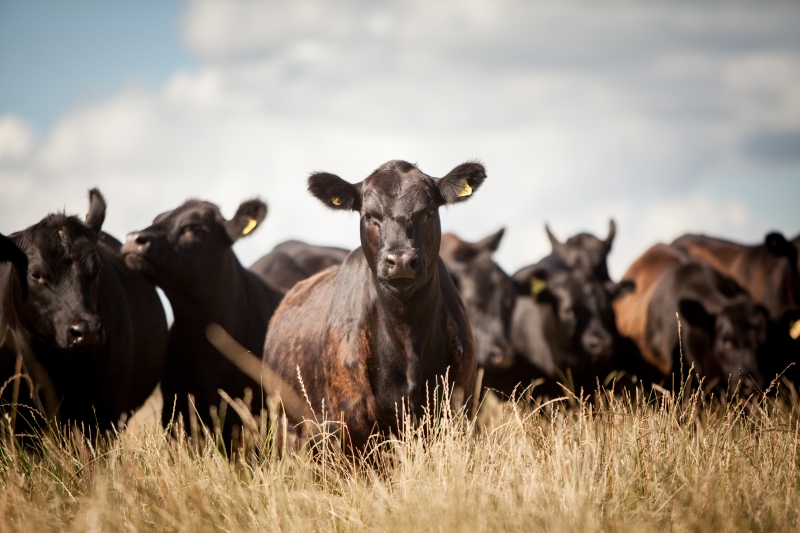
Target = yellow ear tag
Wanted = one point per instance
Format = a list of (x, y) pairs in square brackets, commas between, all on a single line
[(251, 224), (336, 200), (794, 330), (537, 286), (466, 190)]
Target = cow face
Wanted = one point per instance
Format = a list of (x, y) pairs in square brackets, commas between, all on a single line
[(488, 294), (399, 208), (734, 336), (584, 251), (60, 276), (185, 247), (581, 306)]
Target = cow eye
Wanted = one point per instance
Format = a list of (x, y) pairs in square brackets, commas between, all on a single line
[(368, 217), (37, 276), (197, 229)]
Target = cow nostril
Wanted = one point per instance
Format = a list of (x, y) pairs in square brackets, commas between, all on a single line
[(413, 264), (76, 332), (390, 260), (141, 240)]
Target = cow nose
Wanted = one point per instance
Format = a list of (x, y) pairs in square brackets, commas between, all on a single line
[(402, 265), (598, 346), (135, 242), (500, 358), (81, 333)]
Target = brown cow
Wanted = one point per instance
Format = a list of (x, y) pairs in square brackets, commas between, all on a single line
[(722, 328), (377, 334), (768, 271)]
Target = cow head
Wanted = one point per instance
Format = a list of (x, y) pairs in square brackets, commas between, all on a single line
[(585, 251), (488, 294), (58, 266), (734, 335), (399, 208), (581, 307), (185, 248)]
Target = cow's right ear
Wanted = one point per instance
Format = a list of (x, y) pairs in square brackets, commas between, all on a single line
[(532, 283), (247, 218), (777, 244), (556, 245), (97, 211), (696, 315), (334, 192), (10, 252), (612, 231), (492, 242)]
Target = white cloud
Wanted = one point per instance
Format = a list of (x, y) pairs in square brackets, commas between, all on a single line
[(581, 111), (16, 138)]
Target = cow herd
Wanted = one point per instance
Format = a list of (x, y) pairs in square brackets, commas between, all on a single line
[(367, 336)]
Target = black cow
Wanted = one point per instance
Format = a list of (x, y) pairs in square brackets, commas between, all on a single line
[(722, 329), (585, 251), (488, 294), (565, 320), (376, 334), (293, 261), (769, 273), (188, 253), (97, 330)]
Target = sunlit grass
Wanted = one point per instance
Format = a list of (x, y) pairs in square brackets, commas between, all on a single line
[(642, 462)]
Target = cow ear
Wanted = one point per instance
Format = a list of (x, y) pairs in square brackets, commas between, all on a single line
[(10, 252), (612, 231), (553, 240), (97, 211), (618, 290), (461, 182), (334, 192), (777, 244), (532, 283), (696, 315), (492, 242), (249, 215)]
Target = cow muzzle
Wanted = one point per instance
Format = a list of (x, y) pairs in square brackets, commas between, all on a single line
[(82, 333), (136, 243), (401, 267)]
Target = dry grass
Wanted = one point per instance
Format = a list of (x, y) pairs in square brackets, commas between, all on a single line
[(645, 463)]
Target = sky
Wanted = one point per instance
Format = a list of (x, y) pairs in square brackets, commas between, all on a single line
[(670, 117)]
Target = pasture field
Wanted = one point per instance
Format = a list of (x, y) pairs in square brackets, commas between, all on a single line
[(643, 462)]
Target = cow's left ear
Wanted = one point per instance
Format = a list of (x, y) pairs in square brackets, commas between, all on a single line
[(97, 211), (249, 215), (10, 252), (461, 182), (618, 290)]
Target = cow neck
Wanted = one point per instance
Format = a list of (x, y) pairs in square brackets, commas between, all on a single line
[(407, 332), (222, 300)]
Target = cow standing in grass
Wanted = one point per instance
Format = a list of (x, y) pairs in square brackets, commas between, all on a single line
[(96, 332), (770, 273), (722, 329), (379, 333), (488, 294), (188, 253)]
